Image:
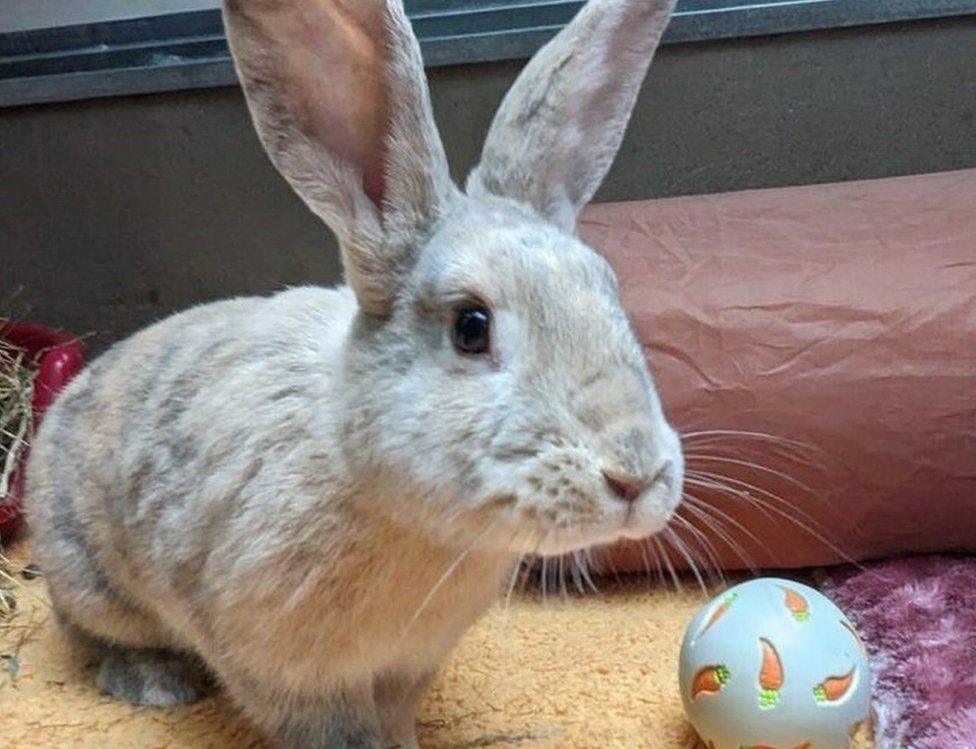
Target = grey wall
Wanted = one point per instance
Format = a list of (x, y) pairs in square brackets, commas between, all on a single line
[(116, 212)]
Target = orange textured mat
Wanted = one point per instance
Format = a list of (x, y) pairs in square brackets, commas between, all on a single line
[(587, 673)]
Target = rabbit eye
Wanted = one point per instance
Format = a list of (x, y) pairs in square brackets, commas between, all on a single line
[(472, 331)]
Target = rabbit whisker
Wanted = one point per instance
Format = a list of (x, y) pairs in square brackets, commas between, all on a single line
[(711, 562), (574, 570), (805, 522), (444, 577), (720, 482), (587, 562), (672, 539), (711, 435), (663, 554), (719, 515), (755, 466), (562, 578), (702, 511)]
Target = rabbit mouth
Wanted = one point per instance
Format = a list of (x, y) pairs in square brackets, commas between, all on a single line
[(570, 497), (583, 519), (554, 536), (561, 541)]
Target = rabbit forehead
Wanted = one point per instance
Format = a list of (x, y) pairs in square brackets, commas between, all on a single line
[(511, 261)]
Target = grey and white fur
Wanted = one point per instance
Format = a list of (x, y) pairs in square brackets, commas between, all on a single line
[(307, 498)]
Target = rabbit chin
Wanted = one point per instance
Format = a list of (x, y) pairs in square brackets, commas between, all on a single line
[(565, 541)]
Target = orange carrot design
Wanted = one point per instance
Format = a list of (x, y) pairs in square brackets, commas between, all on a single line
[(834, 688), (720, 611), (770, 676), (797, 604), (709, 680)]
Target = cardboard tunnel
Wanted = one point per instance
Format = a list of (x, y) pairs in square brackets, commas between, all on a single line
[(817, 347)]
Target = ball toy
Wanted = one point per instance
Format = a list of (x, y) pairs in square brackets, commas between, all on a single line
[(773, 664)]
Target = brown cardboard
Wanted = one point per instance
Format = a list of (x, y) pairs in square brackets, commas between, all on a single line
[(840, 318)]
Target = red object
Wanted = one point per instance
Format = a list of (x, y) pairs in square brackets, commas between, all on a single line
[(58, 357)]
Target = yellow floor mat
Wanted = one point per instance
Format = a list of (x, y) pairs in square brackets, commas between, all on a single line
[(583, 673)]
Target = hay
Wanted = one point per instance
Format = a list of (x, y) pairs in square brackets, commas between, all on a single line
[(16, 392), (23, 613)]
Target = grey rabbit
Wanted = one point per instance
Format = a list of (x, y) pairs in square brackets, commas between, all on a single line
[(307, 498)]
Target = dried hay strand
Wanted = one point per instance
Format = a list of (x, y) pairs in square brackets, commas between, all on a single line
[(16, 393), (17, 375)]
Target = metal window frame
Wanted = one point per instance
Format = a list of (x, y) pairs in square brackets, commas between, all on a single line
[(189, 50)]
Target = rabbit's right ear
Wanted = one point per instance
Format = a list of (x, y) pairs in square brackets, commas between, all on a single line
[(560, 126), (339, 97)]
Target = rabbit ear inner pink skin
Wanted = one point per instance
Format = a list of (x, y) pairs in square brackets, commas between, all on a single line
[(339, 98), (314, 494)]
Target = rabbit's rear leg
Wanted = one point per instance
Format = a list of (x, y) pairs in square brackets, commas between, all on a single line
[(82, 593), (151, 676), (136, 664), (159, 678)]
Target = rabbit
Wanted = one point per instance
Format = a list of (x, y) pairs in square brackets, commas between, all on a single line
[(306, 498)]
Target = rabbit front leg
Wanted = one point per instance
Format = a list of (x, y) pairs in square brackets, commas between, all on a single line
[(398, 698), (344, 718)]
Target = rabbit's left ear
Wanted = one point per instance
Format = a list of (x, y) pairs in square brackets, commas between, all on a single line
[(338, 94), (560, 126)]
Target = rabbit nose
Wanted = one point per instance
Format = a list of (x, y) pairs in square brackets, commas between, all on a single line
[(629, 488), (626, 488)]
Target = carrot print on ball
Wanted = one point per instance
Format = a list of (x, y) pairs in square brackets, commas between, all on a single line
[(770, 676), (793, 673), (721, 610), (709, 680), (797, 604), (834, 689)]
